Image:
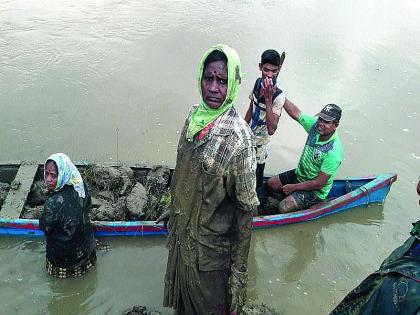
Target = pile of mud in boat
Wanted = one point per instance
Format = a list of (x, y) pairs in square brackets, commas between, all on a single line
[(126, 201), (117, 193)]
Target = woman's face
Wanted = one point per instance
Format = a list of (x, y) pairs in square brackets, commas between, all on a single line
[(214, 84), (51, 175)]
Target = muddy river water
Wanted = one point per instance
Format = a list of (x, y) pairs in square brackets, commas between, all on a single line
[(108, 80)]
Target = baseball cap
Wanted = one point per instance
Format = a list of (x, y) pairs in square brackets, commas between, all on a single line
[(330, 112)]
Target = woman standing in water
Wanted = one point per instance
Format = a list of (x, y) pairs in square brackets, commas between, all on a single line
[(65, 220)]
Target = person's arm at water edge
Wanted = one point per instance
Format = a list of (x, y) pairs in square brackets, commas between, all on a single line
[(239, 268), (243, 186), (241, 183)]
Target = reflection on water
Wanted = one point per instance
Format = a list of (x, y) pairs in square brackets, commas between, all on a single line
[(70, 294), (311, 241), (286, 260), (130, 273)]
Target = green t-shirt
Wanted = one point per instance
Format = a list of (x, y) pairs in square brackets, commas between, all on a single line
[(318, 156)]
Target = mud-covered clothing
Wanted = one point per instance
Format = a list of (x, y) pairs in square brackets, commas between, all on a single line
[(393, 289), (201, 292), (213, 191), (318, 156), (258, 119), (66, 224)]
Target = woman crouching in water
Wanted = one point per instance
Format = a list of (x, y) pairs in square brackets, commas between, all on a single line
[(65, 220)]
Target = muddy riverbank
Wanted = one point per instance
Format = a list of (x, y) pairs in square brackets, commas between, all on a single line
[(250, 309)]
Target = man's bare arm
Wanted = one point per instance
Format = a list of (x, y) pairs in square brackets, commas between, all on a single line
[(315, 184), (291, 109), (248, 114), (268, 90), (271, 119)]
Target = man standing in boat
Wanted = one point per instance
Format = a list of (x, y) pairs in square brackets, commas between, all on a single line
[(213, 197), (266, 103), (312, 180)]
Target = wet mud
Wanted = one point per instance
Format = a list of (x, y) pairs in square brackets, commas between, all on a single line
[(249, 309), (116, 193), (4, 190), (140, 310), (259, 309)]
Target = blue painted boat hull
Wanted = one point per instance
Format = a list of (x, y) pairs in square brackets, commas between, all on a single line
[(364, 191)]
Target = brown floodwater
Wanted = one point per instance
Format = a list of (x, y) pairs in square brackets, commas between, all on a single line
[(113, 80)]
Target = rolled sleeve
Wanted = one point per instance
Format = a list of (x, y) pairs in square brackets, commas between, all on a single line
[(278, 104)]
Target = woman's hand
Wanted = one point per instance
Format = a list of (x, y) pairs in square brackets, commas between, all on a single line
[(163, 218)]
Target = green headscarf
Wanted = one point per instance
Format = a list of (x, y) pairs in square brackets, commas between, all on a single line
[(204, 115)]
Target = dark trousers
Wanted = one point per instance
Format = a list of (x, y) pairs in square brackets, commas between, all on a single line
[(260, 175)]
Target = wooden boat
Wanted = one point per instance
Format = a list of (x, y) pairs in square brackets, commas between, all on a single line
[(345, 194)]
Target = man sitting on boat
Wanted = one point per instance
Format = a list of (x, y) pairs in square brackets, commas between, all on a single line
[(312, 180)]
